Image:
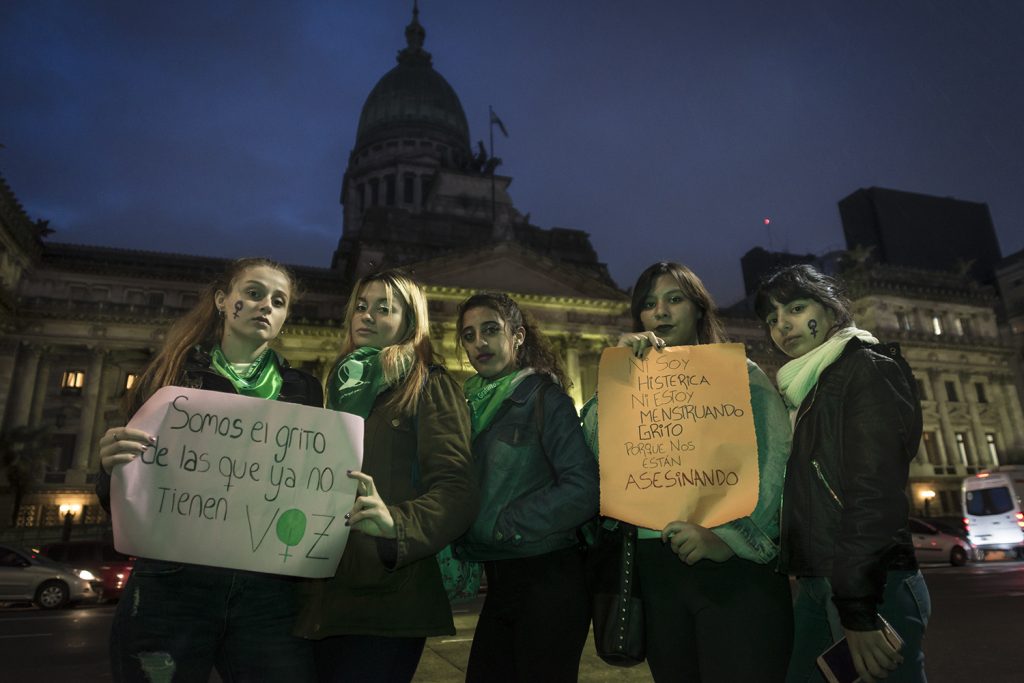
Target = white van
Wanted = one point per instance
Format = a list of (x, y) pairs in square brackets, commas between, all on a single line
[(992, 509)]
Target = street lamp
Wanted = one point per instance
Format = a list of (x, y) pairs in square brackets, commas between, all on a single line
[(927, 496), (68, 511)]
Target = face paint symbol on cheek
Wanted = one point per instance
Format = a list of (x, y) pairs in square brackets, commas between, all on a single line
[(238, 308), (812, 325)]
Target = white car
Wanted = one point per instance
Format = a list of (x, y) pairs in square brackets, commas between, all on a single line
[(46, 583), (932, 545)]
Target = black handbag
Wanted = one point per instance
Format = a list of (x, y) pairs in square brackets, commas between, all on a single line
[(616, 603)]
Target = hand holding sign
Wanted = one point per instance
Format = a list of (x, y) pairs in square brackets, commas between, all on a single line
[(676, 435), (369, 513), (224, 475)]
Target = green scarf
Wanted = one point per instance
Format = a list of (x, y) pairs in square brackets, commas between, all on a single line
[(797, 377), (263, 380), (486, 396), (356, 381)]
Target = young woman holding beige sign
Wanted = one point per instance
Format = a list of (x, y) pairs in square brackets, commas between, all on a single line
[(714, 607), (178, 621)]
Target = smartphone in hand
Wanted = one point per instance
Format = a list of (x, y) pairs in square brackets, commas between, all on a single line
[(836, 663)]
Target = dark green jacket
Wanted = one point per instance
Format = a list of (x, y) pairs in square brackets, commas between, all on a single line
[(538, 479), (420, 464)]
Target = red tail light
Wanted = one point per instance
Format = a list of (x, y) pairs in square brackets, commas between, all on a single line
[(1020, 519)]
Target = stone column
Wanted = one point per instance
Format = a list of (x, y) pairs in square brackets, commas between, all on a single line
[(572, 368), (1015, 438), (39, 399), (8, 352), (25, 376), (108, 387), (90, 403), (996, 389), (948, 435), (981, 455)]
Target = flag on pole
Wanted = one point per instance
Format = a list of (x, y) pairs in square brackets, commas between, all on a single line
[(496, 121)]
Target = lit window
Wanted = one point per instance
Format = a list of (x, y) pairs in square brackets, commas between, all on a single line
[(993, 454), (129, 380), (72, 381), (904, 322), (936, 325), (961, 446)]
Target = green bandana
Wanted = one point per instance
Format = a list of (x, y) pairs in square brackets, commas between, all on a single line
[(356, 382), (263, 380), (486, 396)]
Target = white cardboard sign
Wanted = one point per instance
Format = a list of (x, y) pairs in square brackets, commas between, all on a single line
[(238, 482)]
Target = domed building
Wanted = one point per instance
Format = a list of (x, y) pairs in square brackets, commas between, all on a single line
[(78, 322), (414, 189)]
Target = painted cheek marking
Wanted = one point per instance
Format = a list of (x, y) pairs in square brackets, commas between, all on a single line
[(238, 308), (812, 325)]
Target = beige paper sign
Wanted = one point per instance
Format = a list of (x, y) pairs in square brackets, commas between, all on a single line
[(676, 435), (238, 482)]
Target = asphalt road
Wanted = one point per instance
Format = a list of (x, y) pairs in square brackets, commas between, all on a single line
[(975, 634)]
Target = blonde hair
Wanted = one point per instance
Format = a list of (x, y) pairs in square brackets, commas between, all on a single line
[(202, 326), (406, 363)]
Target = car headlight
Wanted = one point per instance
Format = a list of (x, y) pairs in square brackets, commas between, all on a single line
[(84, 574)]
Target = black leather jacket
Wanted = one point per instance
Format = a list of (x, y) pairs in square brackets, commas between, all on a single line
[(296, 387), (845, 507)]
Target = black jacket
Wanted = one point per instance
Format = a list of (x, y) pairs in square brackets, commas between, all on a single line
[(296, 387), (538, 479), (845, 507)]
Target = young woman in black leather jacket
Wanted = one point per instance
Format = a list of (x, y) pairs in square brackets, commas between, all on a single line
[(538, 484), (857, 424)]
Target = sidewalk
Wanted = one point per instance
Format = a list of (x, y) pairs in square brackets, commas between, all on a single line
[(444, 658)]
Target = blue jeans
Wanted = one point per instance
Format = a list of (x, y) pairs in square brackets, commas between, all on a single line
[(906, 605), (176, 622)]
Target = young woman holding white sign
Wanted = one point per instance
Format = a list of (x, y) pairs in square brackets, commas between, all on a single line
[(538, 485), (844, 525), (416, 491), (714, 607), (179, 621)]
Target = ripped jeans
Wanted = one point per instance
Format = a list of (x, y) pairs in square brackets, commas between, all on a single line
[(176, 622)]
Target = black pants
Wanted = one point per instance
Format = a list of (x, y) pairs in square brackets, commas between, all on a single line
[(534, 622), (367, 659), (714, 621)]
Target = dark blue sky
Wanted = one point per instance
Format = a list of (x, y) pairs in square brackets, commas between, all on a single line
[(665, 129)]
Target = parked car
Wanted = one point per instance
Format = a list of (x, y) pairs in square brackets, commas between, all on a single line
[(933, 545), (955, 526), (41, 580), (107, 564)]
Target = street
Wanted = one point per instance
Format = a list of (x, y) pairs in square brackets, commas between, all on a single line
[(974, 635)]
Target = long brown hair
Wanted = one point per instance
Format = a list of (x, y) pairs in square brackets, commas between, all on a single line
[(709, 328), (413, 354), (535, 351), (202, 326)]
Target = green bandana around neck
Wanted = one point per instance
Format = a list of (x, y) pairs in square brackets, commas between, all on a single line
[(356, 382), (263, 380), (486, 396)]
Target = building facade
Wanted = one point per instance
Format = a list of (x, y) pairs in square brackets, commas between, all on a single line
[(79, 323)]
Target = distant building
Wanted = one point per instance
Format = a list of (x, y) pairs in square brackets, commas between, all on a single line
[(965, 363), (78, 323), (921, 231)]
